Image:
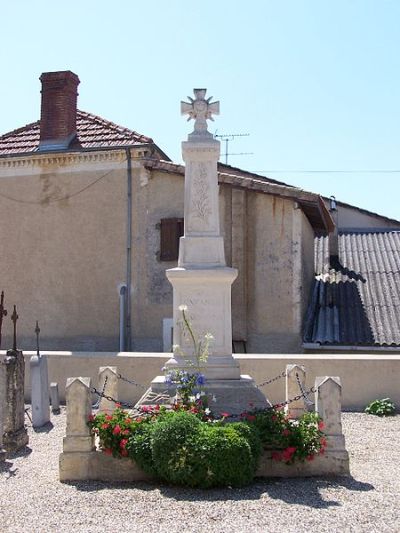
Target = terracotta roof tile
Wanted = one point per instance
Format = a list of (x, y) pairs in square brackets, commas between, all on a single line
[(93, 132)]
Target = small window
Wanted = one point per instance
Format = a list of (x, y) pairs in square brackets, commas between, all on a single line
[(171, 229)]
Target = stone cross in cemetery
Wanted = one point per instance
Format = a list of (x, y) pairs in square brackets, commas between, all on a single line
[(39, 386), (3, 313), (15, 434), (202, 281)]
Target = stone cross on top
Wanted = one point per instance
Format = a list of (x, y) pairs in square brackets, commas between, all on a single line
[(200, 110)]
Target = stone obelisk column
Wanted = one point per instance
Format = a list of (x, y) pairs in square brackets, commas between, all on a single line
[(202, 281)]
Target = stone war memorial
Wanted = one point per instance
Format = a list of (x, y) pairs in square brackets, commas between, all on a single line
[(201, 314)]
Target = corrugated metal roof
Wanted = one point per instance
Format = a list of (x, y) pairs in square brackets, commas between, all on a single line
[(93, 132), (358, 302)]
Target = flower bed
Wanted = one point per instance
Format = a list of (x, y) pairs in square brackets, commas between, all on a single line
[(187, 445)]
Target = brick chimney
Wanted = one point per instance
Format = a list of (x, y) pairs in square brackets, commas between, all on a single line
[(58, 111)]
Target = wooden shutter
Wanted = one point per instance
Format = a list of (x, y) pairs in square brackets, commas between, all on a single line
[(171, 229)]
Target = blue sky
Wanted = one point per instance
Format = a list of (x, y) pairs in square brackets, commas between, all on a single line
[(315, 84)]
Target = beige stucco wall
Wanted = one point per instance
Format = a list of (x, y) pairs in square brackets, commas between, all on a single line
[(364, 377), (353, 218), (63, 262)]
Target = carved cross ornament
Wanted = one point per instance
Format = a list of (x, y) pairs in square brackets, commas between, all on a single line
[(200, 110)]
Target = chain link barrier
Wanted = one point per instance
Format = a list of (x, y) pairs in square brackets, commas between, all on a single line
[(96, 405), (303, 392), (131, 382), (269, 381)]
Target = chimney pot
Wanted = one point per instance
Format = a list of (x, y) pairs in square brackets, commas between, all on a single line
[(58, 110)]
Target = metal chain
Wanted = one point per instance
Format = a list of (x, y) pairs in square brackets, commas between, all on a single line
[(111, 399), (295, 399), (269, 381), (303, 392), (96, 405), (132, 382)]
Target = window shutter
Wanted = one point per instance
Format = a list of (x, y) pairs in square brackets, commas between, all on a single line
[(171, 229)]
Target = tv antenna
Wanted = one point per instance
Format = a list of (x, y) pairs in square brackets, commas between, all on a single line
[(231, 137)]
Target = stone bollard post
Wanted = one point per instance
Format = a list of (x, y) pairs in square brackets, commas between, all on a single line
[(78, 444), (2, 406), (110, 388), (328, 404), (15, 433), (55, 398), (79, 407), (39, 391), (297, 408)]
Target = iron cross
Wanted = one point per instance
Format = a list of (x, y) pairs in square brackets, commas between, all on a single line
[(3, 312), (37, 331), (14, 318)]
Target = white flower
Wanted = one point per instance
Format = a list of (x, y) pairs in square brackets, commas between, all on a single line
[(198, 396), (207, 411), (183, 307), (202, 393), (192, 399)]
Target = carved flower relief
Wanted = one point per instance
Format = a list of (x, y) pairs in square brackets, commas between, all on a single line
[(201, 209)]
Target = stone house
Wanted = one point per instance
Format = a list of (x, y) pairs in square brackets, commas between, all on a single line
[(89, 208)]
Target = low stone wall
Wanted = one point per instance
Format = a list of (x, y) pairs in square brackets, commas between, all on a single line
[(365, 377), (81, 461)]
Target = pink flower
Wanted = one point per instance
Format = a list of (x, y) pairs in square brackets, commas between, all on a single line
[(117, 430), (321, 425), (117, 405), (109, 417), (287, 454), (126, 432), (123, 443), (128, 420), (285, 432), (91, 418), (323, 442), (225, 415), (105, 426)]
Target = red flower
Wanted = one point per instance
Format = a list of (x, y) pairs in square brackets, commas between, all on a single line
[(107, 451), (311, 458), (128, 420), (274, 418), (157, 407), (194, 410), (321, 425), (285, 432), (323, 442), (91, 418), (117, 405), (117, 430), (138, 420), (123, 443), (225, 415), (109, 417), (250, 418), (105, 426), (126, 432), (287, 454)]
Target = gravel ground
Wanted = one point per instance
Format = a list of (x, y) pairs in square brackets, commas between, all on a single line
[(33, 500)]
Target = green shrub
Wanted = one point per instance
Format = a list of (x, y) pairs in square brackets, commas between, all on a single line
[(384, 407), (192, 453)]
